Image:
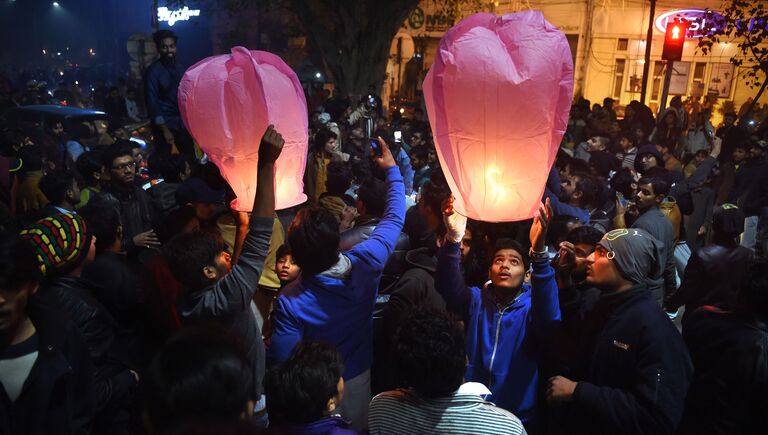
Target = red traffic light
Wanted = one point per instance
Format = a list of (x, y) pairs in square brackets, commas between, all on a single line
[(675, 32), (674, 39)]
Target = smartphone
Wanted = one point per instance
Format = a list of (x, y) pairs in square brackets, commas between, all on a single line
[(622, 200), (376, 146), (710, 136), (398, 136)]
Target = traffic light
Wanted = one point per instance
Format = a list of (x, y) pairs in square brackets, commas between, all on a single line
[(674, 40)]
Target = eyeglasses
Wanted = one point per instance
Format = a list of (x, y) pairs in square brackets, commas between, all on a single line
[(123, 166)]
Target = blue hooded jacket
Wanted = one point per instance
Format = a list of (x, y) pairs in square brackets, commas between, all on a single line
[(502, 341), (336, 306)]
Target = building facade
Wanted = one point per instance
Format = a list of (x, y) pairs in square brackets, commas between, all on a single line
[(607, 40)]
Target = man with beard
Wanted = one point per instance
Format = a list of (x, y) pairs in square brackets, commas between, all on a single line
[(161, 86)]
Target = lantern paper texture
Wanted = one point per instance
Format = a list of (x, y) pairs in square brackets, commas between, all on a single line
[(228, 101), (498, 97)]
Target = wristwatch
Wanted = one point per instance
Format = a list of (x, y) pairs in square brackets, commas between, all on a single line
[(544, 255)]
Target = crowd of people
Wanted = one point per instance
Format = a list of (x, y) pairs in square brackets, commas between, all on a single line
[(134, 301)]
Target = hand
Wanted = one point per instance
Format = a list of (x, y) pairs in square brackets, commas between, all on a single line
[(620, 209), (168, 135), (455, 224), (271, 145), (560, 389), (147, 239), (385, 160), (538, 234), (702, 230), (567, 257), (717, 146)]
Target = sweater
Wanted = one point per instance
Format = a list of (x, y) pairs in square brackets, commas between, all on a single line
[(336, 306), (502, 342), (228, 301)]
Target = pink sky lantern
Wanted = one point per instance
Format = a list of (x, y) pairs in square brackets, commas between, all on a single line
[(228, 101), (498, 97)]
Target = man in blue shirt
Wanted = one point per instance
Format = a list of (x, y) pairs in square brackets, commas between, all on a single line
[(161, 85), (507, 321), (333, 298)]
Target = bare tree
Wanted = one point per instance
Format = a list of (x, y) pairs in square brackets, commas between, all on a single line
[(744, 22)]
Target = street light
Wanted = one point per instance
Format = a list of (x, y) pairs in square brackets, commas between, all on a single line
[(56, 4)]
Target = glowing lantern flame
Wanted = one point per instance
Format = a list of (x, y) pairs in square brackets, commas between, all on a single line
[(498, 97), (228, 101)]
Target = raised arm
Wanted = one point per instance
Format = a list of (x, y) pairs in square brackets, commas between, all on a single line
[(448, 279), (380, 245), (705, 168), (545, 305), (238, 286)]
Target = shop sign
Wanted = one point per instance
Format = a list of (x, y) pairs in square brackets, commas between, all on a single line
[(172, 16), (699, 21), (436, 22)]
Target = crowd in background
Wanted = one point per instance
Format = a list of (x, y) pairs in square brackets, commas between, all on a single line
[(133, 300)]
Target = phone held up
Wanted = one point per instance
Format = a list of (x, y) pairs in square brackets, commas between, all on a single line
[(376, 146), (398, 136), (622, 200)]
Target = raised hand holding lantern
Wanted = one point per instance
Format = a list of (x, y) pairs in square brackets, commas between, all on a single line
[(498, 97), (228, 101)]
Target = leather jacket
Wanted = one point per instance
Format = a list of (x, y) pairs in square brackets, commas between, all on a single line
[(362, 231), (713, 277), (74, 296)]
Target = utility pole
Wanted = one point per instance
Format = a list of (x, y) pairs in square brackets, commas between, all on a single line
[(665, 89), (586, 42), (647, 63)]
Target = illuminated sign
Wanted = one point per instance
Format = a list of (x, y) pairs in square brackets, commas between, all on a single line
[(171, 17), (698, 20)]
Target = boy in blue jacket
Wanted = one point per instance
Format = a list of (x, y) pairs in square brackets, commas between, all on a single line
[(506, 320), (332, 300)]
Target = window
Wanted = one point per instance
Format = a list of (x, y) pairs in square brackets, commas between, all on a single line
[(658, 79), (618, 78), (697, 84), (622, 44)]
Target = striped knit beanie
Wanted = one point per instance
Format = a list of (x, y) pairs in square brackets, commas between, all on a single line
[(61, 242)]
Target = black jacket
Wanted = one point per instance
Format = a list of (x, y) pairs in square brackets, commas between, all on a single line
[(729, 392), (138, 213), (749, 182), (58, 396), (713, 276), (73, 296), (634, 371)]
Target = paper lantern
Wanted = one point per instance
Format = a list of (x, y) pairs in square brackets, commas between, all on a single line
[(498, 97), (228, 101)]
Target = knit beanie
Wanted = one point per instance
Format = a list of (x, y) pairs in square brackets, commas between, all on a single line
[(61, 242), (635, 253)]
